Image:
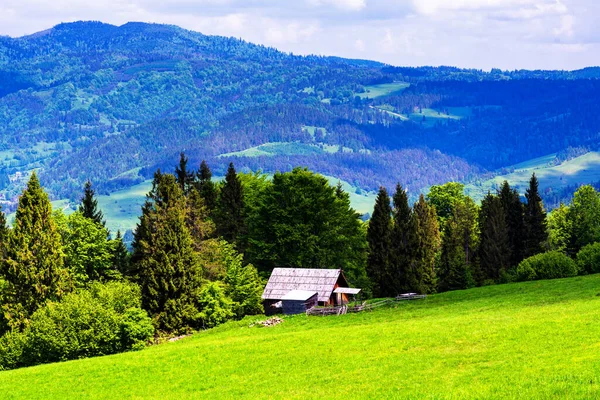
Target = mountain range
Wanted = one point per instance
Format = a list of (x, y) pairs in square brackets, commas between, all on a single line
[(112, 104)]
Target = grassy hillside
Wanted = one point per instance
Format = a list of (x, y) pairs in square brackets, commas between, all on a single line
[(578, 171), (529, 340)]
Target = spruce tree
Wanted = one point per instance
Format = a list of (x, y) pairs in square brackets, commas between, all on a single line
[(206, 187), (402, 235), (32, 268), (120, 255), (379, 235), (494, 250), (198, 222), (185, 177), (3, 230), (426, 244), (89, 205), (164, 261), (230, 218), (536, 231), (514, 215)]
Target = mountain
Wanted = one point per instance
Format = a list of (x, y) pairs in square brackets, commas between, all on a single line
[(88, 100)]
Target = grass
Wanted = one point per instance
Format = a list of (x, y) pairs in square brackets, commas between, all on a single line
[(533, 340), (274, 149), (383, 89), (578, 171)]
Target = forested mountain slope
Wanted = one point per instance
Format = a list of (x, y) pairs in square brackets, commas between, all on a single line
[(91, 100)]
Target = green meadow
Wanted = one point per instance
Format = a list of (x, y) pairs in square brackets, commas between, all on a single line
[(383, 89), (533, 340)]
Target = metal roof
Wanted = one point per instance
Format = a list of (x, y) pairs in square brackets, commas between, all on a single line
[(346, 290), (299, 295), (284, 280)]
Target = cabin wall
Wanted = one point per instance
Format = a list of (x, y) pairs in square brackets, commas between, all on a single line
[(298, 306)]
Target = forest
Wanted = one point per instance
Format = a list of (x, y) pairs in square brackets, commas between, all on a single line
[(112, 104), (202, 250)]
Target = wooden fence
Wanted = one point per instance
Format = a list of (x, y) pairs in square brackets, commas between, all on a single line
[(340, 310)]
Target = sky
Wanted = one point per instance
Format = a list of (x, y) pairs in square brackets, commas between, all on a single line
[(507, 34)]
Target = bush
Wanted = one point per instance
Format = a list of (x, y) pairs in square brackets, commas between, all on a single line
[(104, 319), (588, 259), (550, 265), (215, 306)]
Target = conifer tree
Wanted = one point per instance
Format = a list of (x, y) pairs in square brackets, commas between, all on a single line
[(32, 268), (120, 255), (379, 235), (198, 222), (164, 261), (513, 213), (89, 205), (206, 187), (230, 218), (494, 250), (3, 230), (401, 241), (185, 178), (536, 231), (423, 278)]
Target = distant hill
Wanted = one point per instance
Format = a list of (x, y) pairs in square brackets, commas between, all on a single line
[(113, 103)]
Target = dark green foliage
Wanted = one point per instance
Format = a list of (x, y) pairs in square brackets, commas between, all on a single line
[(494, 250), (458, 267), (104, 319), (33, 266), (514, 215), (379, 238), (185, 177), (583, 219), (422, 276), (230, 215), (550, 265), (402, 239), (206, 187), (588, 259), (3, 230), (89, 205), (536, 231), (301, 222), (165, 264), (197, 220), (120, 257)]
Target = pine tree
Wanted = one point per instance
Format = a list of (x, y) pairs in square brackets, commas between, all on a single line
[(164, 261), (89, 205), (401, 238), (536, 231), (33, 268), (206, 187), (120, 255), (198, 222), (185, 178), (379, 235), (514, 215), (230, 214), (423, 277), (494, 250)]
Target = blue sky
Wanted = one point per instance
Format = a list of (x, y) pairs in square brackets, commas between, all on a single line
[(509, 34)]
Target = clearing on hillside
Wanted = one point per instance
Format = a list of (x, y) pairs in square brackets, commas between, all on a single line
[(519, 341)]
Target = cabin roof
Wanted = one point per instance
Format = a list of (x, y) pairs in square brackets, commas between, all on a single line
[(346, 290), (284, 280), (299, 295)]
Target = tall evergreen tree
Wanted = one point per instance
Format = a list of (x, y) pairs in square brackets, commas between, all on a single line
[(164, 261), (120, 255), (198, 222), (185, 177), (206, 187), (458, 269), (89, 205), (3, 230), (32, 268), (536, 231), (494, 250), (514, 215), (423, 278), (230, 218), (379, 235), (401, 241)]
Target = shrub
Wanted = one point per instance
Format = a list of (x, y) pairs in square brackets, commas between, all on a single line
[(215, 306), (550, 265), (11, 350), (588, 259)]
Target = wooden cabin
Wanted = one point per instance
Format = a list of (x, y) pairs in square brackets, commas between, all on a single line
[(298, 301), (330, 285)]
